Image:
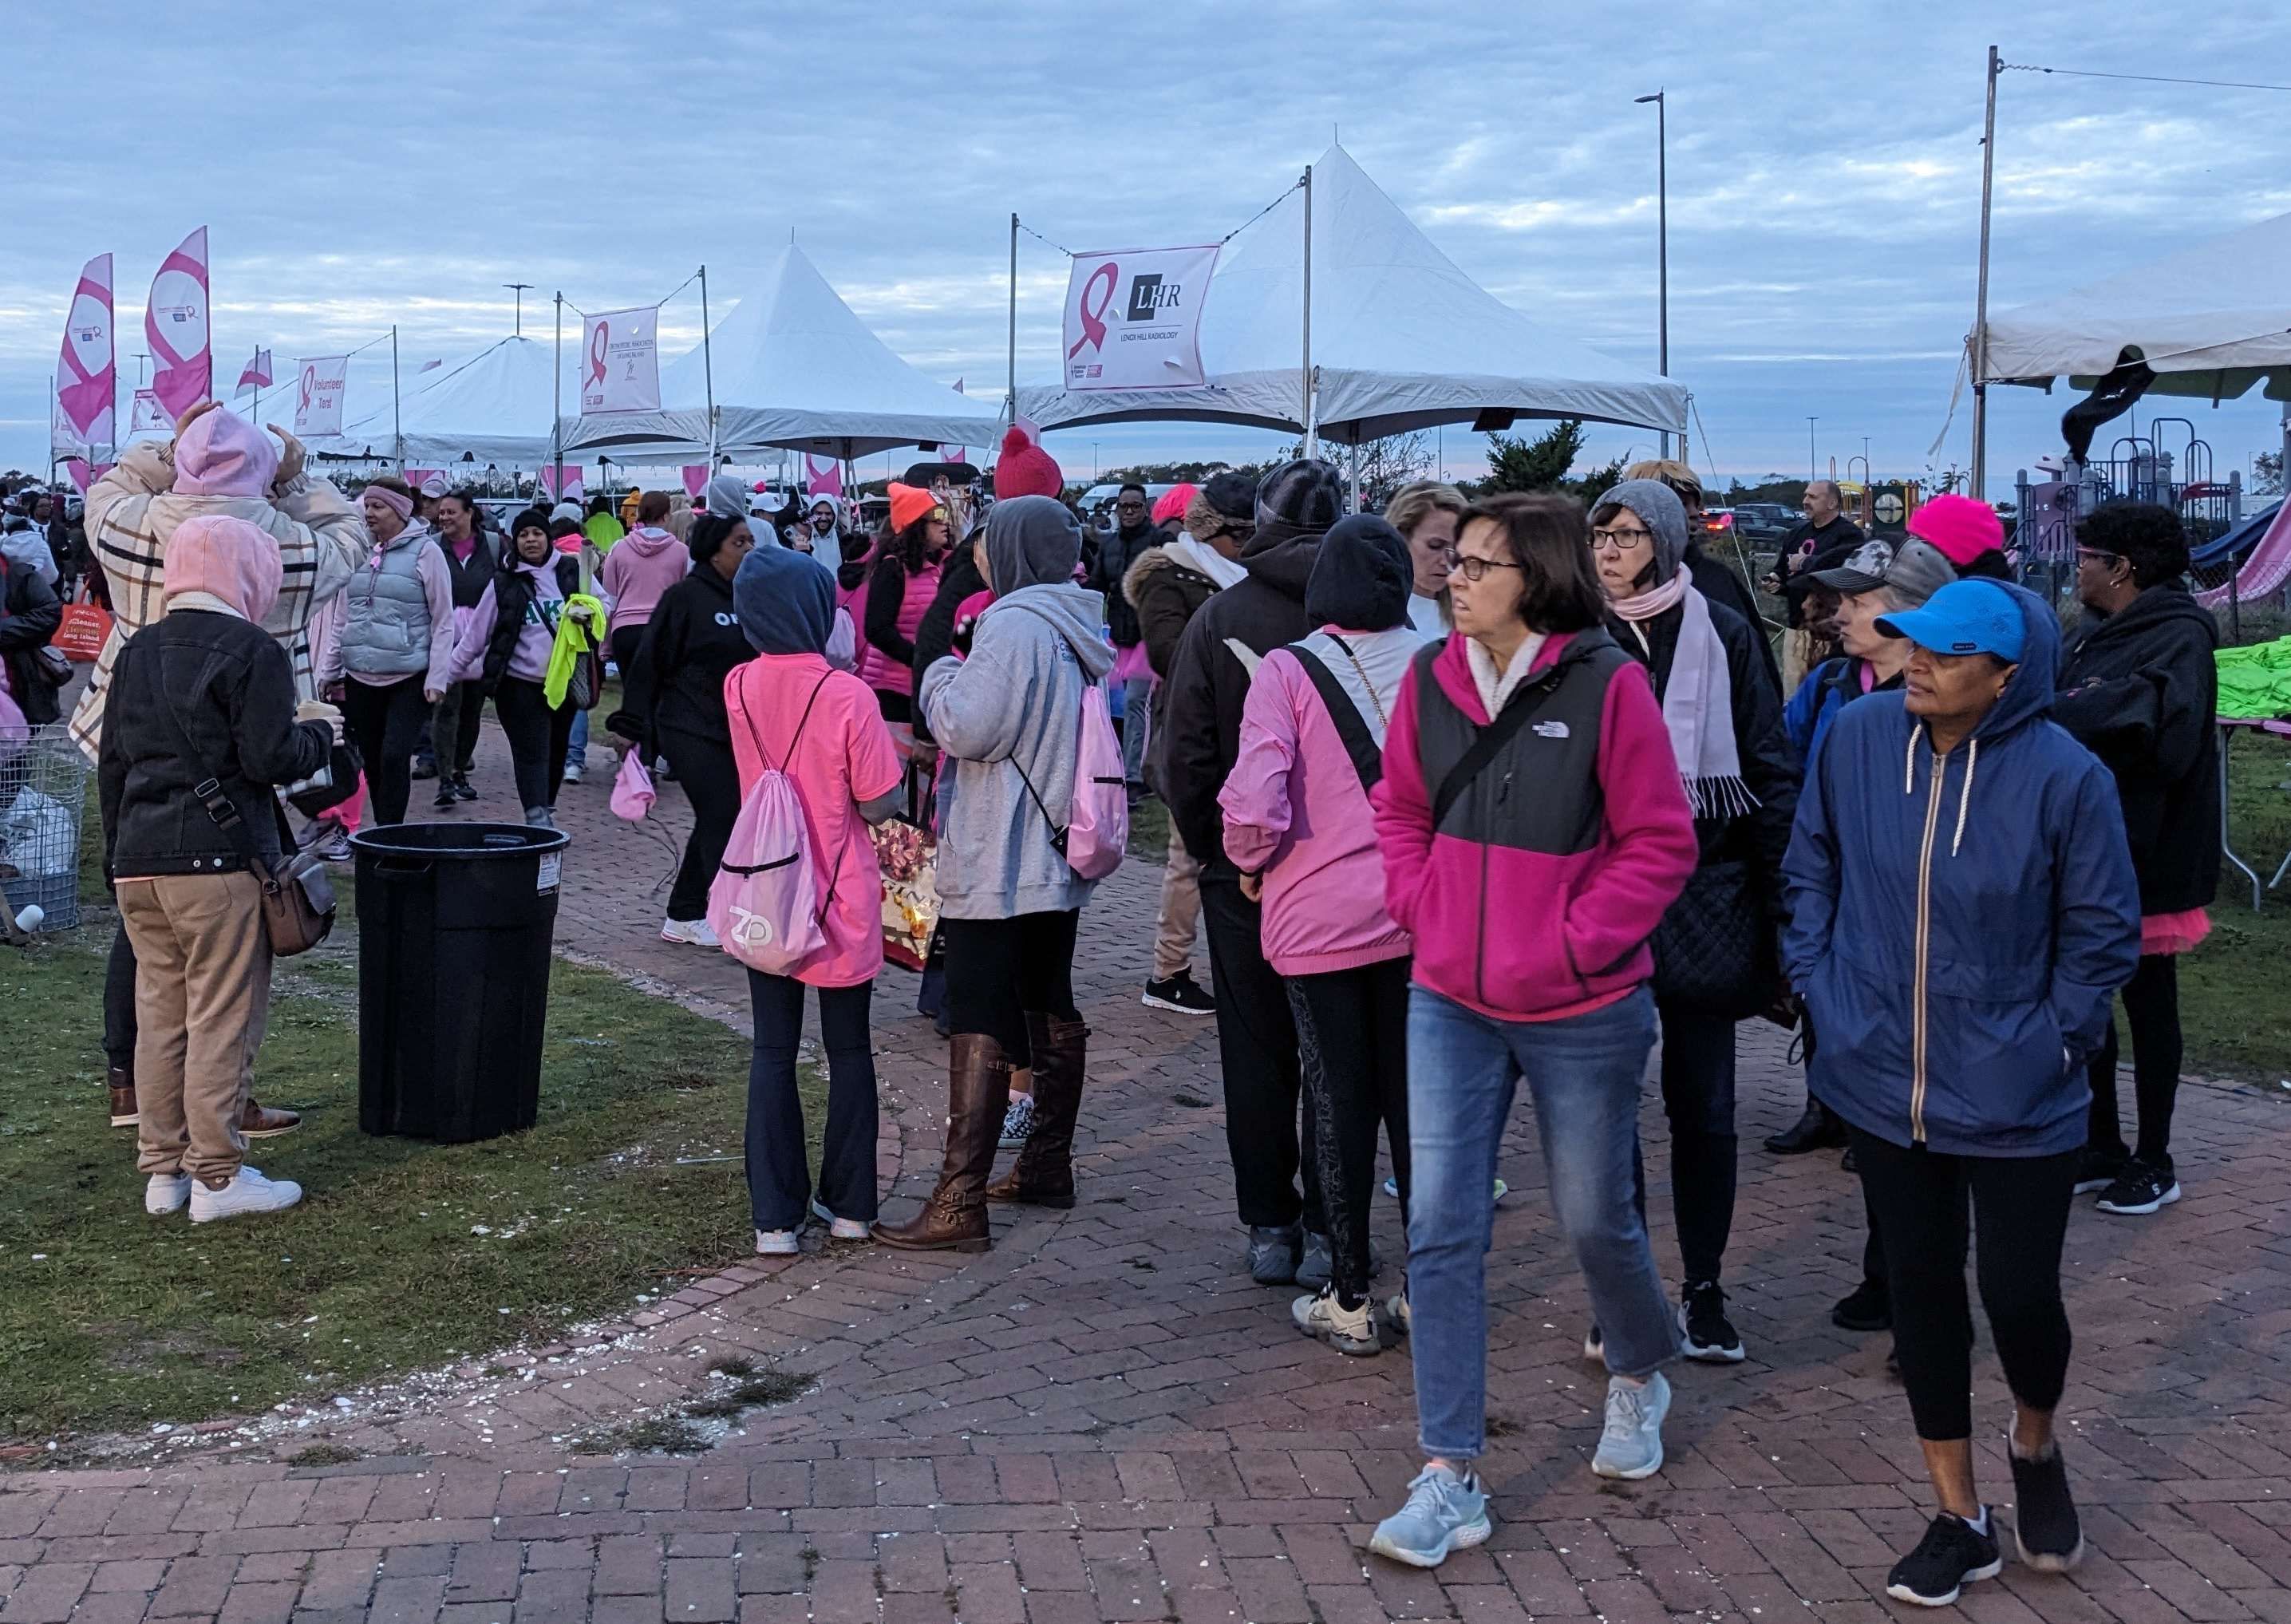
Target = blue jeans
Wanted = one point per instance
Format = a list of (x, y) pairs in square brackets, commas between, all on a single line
[(1136, 707), (779, 1173), (1584, 1075), (577, 747)]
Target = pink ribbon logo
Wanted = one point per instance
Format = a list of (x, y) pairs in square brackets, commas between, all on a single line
[(1093, 322), (303, 395), (599, 342)]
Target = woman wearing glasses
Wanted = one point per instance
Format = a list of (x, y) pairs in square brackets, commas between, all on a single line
[(1715, 953), (1525, 757)]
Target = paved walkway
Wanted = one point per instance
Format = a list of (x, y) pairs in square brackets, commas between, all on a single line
[(1103, 1418)]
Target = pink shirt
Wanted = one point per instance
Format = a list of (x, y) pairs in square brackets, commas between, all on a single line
[(842, 756)]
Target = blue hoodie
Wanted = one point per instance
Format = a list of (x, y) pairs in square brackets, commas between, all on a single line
[(1957, 929)]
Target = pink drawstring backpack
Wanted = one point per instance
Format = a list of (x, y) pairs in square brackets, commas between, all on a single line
[(763, 903)]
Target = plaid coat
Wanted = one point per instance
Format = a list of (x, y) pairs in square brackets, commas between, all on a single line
[(132, 510)]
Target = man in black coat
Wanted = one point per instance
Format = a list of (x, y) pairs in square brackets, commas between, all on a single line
[(1823, 540), (29, 613), (2139, 689), (1134, 535), (1257, 1037)]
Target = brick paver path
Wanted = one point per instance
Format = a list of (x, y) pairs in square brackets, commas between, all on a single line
[(1103, 1418)]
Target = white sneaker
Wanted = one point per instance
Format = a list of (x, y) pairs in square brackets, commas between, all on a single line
[(166, 1192), (1347, 1330), (572, 772), (248, 1192), (777, 1243), (838, 1228), (694, 931)]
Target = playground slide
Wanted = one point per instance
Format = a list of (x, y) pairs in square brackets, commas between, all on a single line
[(2265, 570)]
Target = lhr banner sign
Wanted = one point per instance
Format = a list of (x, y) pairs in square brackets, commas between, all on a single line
[(620, 368), (1133, 319)]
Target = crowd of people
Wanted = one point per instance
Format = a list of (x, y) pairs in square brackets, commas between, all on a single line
[(1468, 793)]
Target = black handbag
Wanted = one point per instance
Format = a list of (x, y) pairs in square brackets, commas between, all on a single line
[(1714, 951)]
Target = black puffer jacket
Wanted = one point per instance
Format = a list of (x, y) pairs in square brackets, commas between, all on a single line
[(690, 644), (513, 595), (196, 693), (1208, 684), (29, 613), (2139, 689), (1117, 552)]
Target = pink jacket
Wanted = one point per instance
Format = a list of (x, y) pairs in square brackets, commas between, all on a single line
[(642, 565), (1294, 810), (1521, 934)]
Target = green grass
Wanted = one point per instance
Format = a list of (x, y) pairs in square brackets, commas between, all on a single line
[(2232, 1007), (404, 1254), (1149, 830)]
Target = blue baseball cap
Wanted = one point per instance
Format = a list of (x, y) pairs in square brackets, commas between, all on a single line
[(1973, 616)]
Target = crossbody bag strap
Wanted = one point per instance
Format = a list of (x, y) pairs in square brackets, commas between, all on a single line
[(1488, 743), (1352, 727)]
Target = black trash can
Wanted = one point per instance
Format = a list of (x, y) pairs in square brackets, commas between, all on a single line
[(454, 930)]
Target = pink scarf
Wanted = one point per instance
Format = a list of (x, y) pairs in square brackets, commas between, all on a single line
[(1698, 702)]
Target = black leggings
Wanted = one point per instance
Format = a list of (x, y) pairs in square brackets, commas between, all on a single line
[(2151, 1009), (2020, 1218), (1352, 1042), (537, 736), (119, 1003), (997, 969), (1256, 1049), (384, 722), (710, 779), (1698, 1097)]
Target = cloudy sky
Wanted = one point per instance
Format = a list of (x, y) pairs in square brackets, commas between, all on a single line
[(358, 166)]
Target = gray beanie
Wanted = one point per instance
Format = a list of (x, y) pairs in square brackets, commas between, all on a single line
[(1663, 514), (1031, 540)]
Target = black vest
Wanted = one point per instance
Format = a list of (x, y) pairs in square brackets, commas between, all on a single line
[(1541, 793)]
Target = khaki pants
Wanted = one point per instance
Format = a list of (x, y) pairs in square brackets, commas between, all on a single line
[(1181, 910), (202, 998)]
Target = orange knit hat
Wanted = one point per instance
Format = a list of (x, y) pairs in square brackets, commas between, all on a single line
[(909, 504)]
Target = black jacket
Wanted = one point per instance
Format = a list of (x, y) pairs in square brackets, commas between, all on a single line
[(1208, 684), (198, 693), (29, 613), (676, 681), (1117, 551), (2139, 689), (512, 596), (1770, 766), (958, 579), (469, 580), (1808, 548), (1717, 581)]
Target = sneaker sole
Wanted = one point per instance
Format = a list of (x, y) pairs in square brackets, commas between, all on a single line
[(1634, 1472), (266, 1133), (1343, 1345), (1902, 1593), (127, 1121), (1152, 1002), (2145, 1208), (1708, 1354), (1462, 1538), (2049, 1561)]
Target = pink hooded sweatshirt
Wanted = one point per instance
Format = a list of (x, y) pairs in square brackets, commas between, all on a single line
[(642, 565), (1524, 935), (229, 564), (223, 454), (1294, 808)]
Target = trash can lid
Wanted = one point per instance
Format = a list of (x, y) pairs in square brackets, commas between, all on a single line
[(460, 842)]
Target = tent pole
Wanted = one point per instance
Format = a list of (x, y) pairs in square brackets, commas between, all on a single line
[(557, 396), (1980, 479), (1356, 501), (708, 371), (397, 429), (1312, 445), (1010, 400)]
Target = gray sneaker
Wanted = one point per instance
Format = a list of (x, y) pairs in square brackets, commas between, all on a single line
[(1018, 1121), (1631, 1445), (1272, 1253), (1445, 1513), (1317, 1267), (1347, 1330)]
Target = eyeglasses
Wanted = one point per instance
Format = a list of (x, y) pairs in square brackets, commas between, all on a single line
[(1471, 569), (1620, 541), (2096, 556)]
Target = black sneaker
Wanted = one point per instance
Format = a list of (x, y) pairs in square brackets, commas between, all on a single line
[(1179, 994), (1866, 1309), (2142, 1188), (1818, 1128), (461, 790), (2096, 1169), (1952, 1554), (444, 797), (1709, 1333), (2044, 1513)]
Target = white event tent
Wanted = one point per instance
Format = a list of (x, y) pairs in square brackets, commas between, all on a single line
[(2211, 320), (1401, 339), (494, 408), (794, 369)]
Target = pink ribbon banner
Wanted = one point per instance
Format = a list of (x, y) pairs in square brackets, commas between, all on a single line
[(175, 324), (1133, 319), (87, 380), (821, 476), (620, 361)]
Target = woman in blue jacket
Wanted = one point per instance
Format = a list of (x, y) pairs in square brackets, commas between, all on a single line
[(1963, 910)]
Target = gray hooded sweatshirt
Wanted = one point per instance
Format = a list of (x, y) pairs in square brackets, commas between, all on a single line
[(1014, 707)]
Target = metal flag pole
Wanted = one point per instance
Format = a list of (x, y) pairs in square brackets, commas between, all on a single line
[(1981, 305), (1010, 400), (708, 371), (557, 415), (1663, 256), (1312, 445), (397, 429)]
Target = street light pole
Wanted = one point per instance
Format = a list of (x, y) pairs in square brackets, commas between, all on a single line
[(1810, 470), (1980, 479), (1662, 249)]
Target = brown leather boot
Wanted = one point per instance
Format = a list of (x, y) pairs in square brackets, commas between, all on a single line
[(124, 1114), (1043, 1174), (260, 1122), (954, 1218)]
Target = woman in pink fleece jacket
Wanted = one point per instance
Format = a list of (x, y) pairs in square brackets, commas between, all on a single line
[(1298, 826), (1533, 829), (642, 565)]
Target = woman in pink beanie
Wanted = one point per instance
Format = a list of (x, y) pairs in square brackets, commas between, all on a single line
[(1968, 534)]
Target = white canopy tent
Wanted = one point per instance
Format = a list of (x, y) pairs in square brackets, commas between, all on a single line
[(793, 369), (1401, 339), (2211, 320), (494, 408)]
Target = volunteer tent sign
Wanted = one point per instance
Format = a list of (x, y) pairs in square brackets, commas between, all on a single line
[(319, 383), (620, 365), (1133, 319)]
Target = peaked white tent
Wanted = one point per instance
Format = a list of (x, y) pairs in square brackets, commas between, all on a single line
[(2211, 320), (793, 368), (494, 407), (1401, 338)]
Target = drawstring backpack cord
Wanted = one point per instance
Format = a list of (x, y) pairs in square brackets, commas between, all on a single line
[(1965, 796)]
